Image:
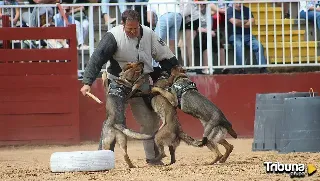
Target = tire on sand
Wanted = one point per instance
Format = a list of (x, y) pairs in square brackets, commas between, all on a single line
[(78, 161)]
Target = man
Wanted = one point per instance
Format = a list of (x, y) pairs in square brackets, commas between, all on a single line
[(125, 43), (236, 37)]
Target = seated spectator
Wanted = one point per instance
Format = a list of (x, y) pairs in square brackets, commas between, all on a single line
[(191, 12), (14, 16), (81, 22), (59, 21), (169, 18), (236, 37), (198, 17), (31, 19), (309, 8), (105, 10), (219, 11)]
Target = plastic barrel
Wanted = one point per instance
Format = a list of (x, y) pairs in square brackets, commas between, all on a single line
[(300, 130), (269, 113)]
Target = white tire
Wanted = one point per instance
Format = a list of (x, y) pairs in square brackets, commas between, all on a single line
[(78, 161)]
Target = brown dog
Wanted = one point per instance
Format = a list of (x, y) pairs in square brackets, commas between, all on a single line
[(216, 126), (114, 128), (170, 132)]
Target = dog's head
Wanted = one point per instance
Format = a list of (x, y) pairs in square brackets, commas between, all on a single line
[(132, 71), (177, 72)]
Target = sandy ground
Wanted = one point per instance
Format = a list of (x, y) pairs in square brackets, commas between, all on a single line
[(32, 163)]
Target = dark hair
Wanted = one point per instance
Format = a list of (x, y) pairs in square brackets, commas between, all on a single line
[(131, 15)]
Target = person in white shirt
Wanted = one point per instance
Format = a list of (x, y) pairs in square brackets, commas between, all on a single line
[(169, 20), (309, 9)]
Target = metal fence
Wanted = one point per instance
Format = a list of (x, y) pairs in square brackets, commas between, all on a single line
[(212, 35)]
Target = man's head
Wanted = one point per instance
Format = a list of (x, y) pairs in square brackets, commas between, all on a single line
[(237, 6), (131, 23)]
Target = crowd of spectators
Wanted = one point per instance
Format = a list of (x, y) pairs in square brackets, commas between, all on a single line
[(168, 21)]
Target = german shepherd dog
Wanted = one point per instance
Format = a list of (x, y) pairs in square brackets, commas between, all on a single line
[(114, 128), (170, 133), (216, 126)]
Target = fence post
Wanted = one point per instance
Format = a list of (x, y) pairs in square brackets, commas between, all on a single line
[(209, 38), (91, 31), (6, 23)]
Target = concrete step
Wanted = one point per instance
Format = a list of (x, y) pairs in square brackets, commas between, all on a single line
[(262, 36), (253, 5), (287, 60), (267, 13), (271, 23), (302, 49)]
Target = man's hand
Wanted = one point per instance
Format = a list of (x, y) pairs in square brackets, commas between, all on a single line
[(85, 89)]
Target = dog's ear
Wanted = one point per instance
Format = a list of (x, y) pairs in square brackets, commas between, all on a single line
[(182, 70), (174, 68), (127, 66)]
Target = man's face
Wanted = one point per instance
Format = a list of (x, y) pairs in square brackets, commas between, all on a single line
[(132, 28), (237, 6)]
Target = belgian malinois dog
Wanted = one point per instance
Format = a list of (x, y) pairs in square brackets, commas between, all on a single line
[(170, 132), (216, 126), (114, 128)]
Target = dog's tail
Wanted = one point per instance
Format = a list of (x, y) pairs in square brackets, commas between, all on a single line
[(232, 132), (132, 134), (189, 140), (166, 94), (226, 124)]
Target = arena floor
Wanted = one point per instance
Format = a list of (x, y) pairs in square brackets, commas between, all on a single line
[(32, 163)]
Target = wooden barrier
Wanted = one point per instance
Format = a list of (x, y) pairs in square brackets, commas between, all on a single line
[(39, 94)]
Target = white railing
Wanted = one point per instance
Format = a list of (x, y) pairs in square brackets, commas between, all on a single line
[(286, 42)]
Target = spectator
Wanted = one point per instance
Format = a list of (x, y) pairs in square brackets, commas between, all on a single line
[(198, 18), (31, 20), (106, 13), (192, 16), (59, 21), (236, 37), (219, 10), (309, 9), (169, 18), (14, 14), (81, 22)]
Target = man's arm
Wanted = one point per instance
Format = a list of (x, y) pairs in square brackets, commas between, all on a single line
[(104, 52), (238, 22), (247, 25), (234, 21), (161, 53)]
